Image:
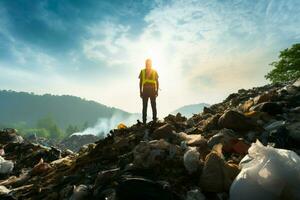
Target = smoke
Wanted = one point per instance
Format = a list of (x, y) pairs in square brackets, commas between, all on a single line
[(104, 125)]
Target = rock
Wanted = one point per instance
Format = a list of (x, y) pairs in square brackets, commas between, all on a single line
[(224, 136), (40, 168), (247, 105), (265, 97), (67, 152), (294, 131), (192, 139), (258, 116), (66, 192), (104, 177), (240, 147), (211, 123), (236, 121), (80, 192), (208, 110), (279, 137), (9, 135), (166, 132), (217, 175), (291, 89), (297, 83), (271, 108)]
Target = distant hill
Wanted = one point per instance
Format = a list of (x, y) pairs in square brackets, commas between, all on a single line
[(189, 110), (28, 108)]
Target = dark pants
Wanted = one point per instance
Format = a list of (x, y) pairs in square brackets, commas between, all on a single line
[(149, 93)]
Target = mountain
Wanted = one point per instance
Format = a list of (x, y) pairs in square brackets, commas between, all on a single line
[(189, 110), (28, 108)]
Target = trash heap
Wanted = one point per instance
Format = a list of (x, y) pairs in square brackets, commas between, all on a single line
[(75, 142), (246, 145)]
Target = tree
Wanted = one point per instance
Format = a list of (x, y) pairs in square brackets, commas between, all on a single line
[(49, 124), (40, 132), (72, 129), (287, 68)]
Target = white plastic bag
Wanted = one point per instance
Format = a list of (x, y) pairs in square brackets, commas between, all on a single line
[(6, 166), (270, 173), (191, 160)]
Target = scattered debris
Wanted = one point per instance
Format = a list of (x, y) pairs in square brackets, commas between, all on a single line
[(174, 158)]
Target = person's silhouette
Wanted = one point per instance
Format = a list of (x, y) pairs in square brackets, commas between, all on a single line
[(149, 89)]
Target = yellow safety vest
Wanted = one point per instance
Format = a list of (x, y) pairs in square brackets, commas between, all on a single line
[(151, 80)]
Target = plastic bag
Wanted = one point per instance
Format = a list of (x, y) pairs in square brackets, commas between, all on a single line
[(267, 173), (6, 166), (191, 160)]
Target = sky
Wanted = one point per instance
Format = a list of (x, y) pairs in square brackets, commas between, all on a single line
[(203, 50)]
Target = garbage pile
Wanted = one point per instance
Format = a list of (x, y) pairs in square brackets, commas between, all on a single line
[(247, 145), (75, 142), (47, 142)]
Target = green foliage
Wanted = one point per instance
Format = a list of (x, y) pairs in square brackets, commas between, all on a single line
[(41, 132), (72, 129), (49, 124), (287, 68)]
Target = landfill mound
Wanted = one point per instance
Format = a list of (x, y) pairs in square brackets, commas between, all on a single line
[(73, 142), (203, 157)]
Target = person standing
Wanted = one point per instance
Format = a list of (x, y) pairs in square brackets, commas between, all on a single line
[(149, 89)]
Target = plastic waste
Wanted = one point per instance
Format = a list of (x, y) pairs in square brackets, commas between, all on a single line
[(2, 152), (274, 125), (152, 153), (6, 166), (267, 173), (4, 190), (121, 126), (191, 160), (195, 194)]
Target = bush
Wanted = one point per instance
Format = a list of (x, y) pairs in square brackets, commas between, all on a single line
[(40, 132)]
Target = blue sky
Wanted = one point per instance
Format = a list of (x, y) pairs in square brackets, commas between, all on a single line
[(203, 50)]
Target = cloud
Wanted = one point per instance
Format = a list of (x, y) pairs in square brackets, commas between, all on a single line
[(203, 50), (211, 45)]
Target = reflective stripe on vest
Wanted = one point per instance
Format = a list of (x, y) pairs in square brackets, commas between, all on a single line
[(152, 79)]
